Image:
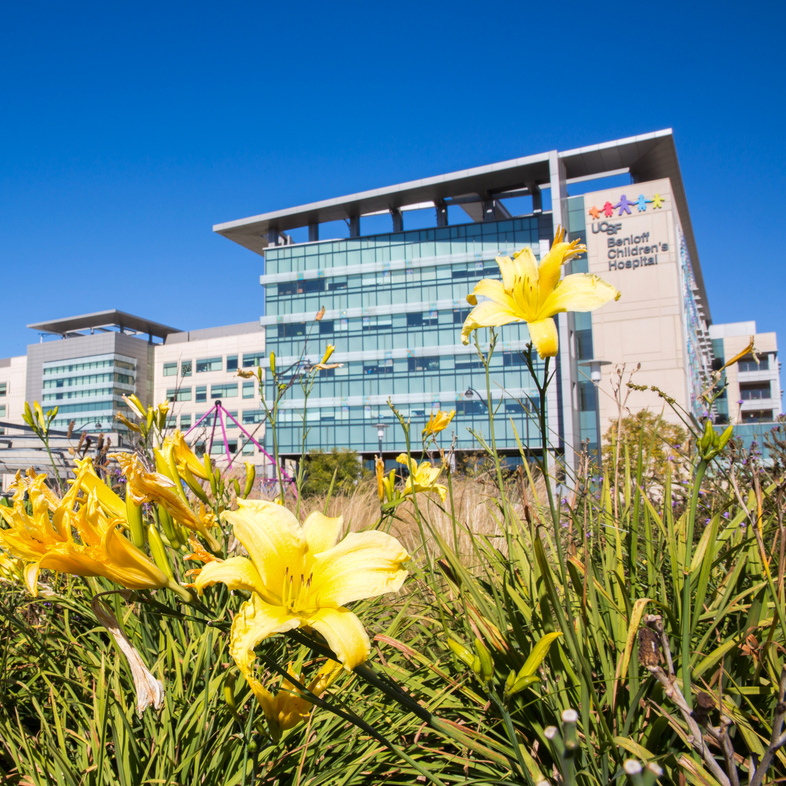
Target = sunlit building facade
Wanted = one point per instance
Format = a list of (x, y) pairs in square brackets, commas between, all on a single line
[(395, 300)]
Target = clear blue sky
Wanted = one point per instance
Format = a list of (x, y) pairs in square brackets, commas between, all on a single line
[(129, 130)]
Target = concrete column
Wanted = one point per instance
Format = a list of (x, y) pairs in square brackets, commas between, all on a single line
[(488, 210), (398, 219), (354, 226), (313, 231), (442, 214), (568, 369), (537, 200)]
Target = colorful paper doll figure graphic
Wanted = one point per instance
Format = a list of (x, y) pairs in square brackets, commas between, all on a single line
[(624, 205), (594, 213), (657, 201), (608, 210), (642, 203)]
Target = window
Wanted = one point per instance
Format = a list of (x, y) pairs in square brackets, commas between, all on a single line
[(170, 369), (749, 364), (2, 410), (185, 368), (231, 362), (254, 359), (248, 449), (583, 344), (252, 416), (513, 359), (326, 327), (228, 420), (171, 422), (183, 394), (209, 364), (3, 388), (460, 315), (248, 389), (757, 416), (587, 397), (302, 287), (201, 394), (224, 391), (378, 367), (423, 364), (185, 422), (754, 391), (291, 329)]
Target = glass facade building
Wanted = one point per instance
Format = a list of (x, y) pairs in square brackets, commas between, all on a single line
[(395, 302), (395, 305)]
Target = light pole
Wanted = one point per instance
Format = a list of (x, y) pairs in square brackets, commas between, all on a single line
[(595, 376), (380, 427), (470, 393)]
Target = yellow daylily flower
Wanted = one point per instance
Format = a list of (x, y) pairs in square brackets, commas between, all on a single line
[(289, 706), (44, 542), (438, 421), (89, 481), (423, 478), (10, 569), (379, 466), (298, 576), (535, 294), (183, 454), (144, 486)]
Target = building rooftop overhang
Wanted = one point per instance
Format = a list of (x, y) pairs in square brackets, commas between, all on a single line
[(106, 321), (646, 157)]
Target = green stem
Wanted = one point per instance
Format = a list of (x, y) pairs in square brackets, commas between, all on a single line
[(686, 610), (497, 464)]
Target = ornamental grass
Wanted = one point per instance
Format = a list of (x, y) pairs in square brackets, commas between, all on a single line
[(590, 625)]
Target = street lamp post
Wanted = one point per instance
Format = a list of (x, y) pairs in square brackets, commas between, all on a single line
[(380, 427), (595, 375)]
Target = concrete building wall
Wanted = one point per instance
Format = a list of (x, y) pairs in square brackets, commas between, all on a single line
[(637, 252), (87, 346), (745, 379), (13, 373), (246, 344)]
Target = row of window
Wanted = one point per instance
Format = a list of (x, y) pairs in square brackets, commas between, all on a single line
[(249, 417), (88, 379), (3, 388), (755, 391), (248, 360), (86, 366), (405, 277), (224, 390), (90, 393), (417, 244), (749, 364)]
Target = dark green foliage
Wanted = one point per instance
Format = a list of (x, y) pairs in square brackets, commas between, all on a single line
[(320, 466)]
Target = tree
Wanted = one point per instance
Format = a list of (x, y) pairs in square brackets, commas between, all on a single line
[(664, 445), (320, 467)]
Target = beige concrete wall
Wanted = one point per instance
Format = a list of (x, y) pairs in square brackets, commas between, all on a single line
[(646, 325), (13, 372), (248, 339)]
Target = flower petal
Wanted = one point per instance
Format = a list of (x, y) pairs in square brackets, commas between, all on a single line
[(495, 290), (550, 268), (344, 633), (236, 573), (322, 531), (544, 336), (487, 314), (363, 565), (579, 292), (507, 267), (256, 620), (273, 539), (526, 266)]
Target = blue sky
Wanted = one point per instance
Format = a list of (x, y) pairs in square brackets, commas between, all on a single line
[(129, 130)]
